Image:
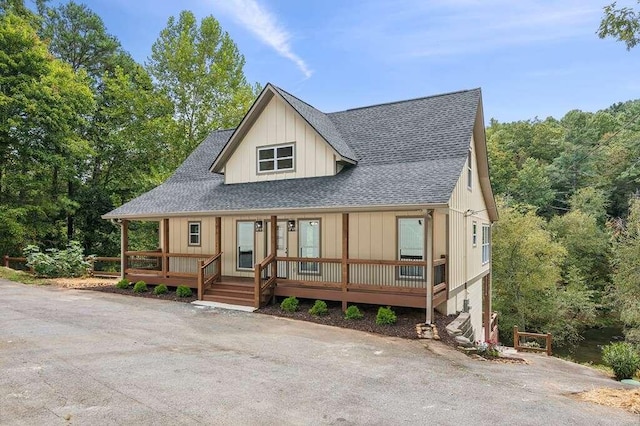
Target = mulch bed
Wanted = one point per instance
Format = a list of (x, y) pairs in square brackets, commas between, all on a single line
[(171, 295), (405, 327)]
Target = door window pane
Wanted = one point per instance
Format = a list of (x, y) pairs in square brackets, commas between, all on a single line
[(411, 246), (245, 256), (309, 243)]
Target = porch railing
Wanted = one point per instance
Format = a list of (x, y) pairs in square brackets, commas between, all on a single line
[(209, 271), (264, 278), (164, 265)]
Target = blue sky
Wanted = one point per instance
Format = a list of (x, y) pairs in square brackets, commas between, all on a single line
[(531, 58)]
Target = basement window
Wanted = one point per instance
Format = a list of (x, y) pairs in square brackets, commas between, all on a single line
[(278, 158)]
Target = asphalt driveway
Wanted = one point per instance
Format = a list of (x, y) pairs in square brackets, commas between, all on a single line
[(83, 357)]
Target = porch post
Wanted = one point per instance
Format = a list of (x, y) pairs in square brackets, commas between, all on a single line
[(274, 243), (218, 236), (124, 247), (428, 242), (345, 257), (165, 247)]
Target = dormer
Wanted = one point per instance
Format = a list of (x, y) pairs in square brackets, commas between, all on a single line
[(282, 137)]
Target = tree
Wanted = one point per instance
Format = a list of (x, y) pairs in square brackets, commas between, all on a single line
[(201, 69), (622, 24), (626, 276), (78, 36), (42, 102)]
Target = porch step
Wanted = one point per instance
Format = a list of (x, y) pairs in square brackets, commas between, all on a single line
[(243, 301), (230, 292)]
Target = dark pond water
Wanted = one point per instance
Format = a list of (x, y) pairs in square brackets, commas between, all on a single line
[(590, 349)]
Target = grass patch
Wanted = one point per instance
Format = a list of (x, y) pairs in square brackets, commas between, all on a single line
[(19, 276)]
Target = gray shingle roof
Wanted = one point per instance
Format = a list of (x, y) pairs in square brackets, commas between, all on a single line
[(409, 153)]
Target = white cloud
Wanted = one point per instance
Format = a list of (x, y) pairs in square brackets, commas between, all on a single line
[(262, 23)]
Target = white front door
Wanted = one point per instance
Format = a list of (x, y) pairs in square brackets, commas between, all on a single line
[(282, 247)]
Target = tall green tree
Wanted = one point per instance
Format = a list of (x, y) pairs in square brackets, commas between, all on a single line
[(201, 69), (626, 277), (42, 102)]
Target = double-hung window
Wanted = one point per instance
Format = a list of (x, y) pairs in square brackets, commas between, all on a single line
[(278, 158), (194, 233), (486, 247), (410, 246), (474, 233), (309, 244)]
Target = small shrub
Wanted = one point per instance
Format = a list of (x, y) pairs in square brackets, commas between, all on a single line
[(319, 308), (386, 316), (140, 287), (290, 304), (623, 358), (183, 291), (160, 289), (353, 313), (123, 283)]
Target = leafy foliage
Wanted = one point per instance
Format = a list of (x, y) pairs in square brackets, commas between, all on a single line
[(623, 358), (626, 277), (290, 304), (386, 316), (319, 308), (353, 313), (160, 289), (140, 287), (123, 284), (621, 23), (57, 263), (183, 291)]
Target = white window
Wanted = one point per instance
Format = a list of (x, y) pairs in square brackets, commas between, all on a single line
[(410, 246), (277, 158), (309, 243), (245, 242), (194, 233), (469, 170), (474, 233), (486, 247)]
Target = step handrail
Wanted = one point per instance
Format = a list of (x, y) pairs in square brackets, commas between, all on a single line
[(262, 284), (205, 281)]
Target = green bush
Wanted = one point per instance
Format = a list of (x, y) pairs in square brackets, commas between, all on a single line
[(58, 263), (183, 291), (160, 289), (290, 304), (140, 287), (353, 313), (623, 358), (386, 316), (123, 283), (319, 308)]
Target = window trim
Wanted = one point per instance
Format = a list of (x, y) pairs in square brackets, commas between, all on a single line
[(275, 159), (299, 232), (399, 275), (199, 233), (469, 170), (486, 243), (253, 251)]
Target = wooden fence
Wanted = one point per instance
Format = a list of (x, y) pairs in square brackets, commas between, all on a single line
[(517, 345), (101, 266)]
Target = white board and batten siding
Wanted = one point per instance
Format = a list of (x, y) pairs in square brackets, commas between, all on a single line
[(466, 206), (372, 236), (279, 124)]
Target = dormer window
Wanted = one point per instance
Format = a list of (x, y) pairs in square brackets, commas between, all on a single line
[(276, 158)]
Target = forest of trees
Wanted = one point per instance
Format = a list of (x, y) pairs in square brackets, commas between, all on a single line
[(84, 128)]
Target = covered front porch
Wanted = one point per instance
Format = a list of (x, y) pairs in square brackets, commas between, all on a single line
[(253, 265)]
